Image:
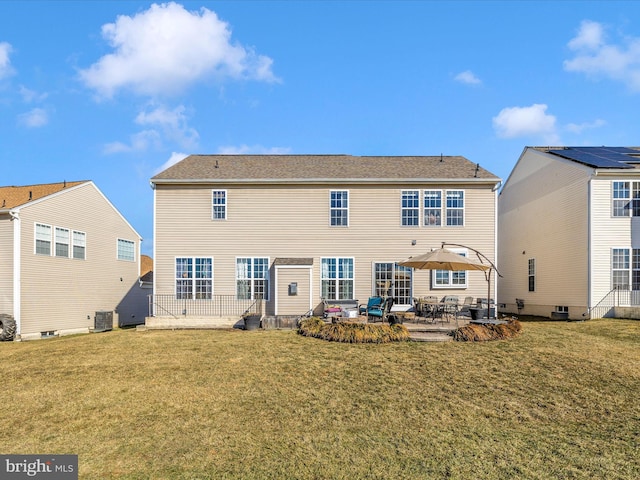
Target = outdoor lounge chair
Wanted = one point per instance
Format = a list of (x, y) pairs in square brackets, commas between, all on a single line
[(373, 302), (379, 312)]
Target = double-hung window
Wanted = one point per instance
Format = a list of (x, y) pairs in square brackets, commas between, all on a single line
[(194, 278), (79, 245), (126, 250), (62, 242), (252, 278), (455, 207), (219, 204), (449, 278), (532, 274), (432, 208), (339, 208), (625, 199), (337, 278), (43, 239), (410, 208), (620, 265)]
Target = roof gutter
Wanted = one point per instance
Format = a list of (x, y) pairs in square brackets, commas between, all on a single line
[(324, 181)]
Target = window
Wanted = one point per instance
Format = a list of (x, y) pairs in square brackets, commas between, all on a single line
[(79, 245), (339, 208), (43, 239), (620, 268), (126, 250), (455, 207), (194, 278), (626, 199), (432, 207), (62, 242), (252, 278), (448, 278), (337, 278), (410, 208), (395, 277), (219, 205), (532, 274)]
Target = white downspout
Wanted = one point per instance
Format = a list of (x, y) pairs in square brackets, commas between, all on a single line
[(17, 290)]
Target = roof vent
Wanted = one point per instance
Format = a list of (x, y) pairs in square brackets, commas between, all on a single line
[(30, 194)]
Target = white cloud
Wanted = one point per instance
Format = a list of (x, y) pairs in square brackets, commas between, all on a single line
[(34, 118), (164, 49), (174, 124), (139, 142), (581, 127), (5, 62), (595, 57), (30, 95), (252, 149), (175, 158), (468, 77), (516, 122)]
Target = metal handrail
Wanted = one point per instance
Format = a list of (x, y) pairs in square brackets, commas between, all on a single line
[(215, 306)]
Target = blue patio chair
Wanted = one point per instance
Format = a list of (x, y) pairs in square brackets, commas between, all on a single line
[(379, 312), (373, 302)]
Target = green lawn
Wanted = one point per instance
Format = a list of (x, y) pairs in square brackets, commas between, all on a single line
[(562, 400)]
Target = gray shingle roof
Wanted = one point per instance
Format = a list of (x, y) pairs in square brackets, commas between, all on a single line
[(307, 168)]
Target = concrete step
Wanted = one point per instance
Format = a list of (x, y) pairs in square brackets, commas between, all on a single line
[(430, 337)]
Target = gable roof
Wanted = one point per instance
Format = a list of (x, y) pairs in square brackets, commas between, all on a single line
[(11, 197), (321, 168)]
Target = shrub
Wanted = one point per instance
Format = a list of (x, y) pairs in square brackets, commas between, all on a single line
[(485, 332), (352, 332)]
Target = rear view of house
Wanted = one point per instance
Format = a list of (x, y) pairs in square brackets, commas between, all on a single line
[(300, 231), (66, 256)]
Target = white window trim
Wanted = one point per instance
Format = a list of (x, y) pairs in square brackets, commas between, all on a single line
[(353, 277), (226, 205), (419, 207), (267, 278), (193, 278), (35, 239), (449, 285), (331, 209), (118, 240), (424, 208), (56, 242), (446, 209), (73, 244)]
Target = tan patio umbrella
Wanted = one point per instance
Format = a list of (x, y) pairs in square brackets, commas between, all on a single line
[(442, 259)]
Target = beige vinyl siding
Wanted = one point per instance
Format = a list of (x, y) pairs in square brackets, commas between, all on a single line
[(6, 264), (543, 215), (64, 293), (294, 221)]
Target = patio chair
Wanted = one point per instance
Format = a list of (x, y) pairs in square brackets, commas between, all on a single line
[(373, 302), (449, 307), (379, 312), (466, 305)]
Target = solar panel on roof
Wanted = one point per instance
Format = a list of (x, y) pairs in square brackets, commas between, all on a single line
[(598, 157)]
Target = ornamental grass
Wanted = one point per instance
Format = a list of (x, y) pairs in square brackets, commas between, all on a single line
[(485, 332), (353, 332)]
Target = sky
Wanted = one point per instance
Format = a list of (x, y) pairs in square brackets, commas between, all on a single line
[(116, 91)]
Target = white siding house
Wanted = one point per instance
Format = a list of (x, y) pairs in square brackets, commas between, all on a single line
[(569, 246), (297, 229), (65, 254)]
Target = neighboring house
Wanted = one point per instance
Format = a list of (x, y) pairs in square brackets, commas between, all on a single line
[(134, 307), (65, 254), (297, 229), (569, 232)]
